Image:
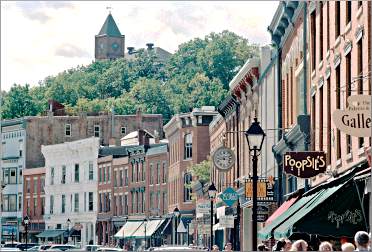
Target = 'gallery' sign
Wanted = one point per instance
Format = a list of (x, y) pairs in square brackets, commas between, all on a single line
[(356, 119), (305, 164)]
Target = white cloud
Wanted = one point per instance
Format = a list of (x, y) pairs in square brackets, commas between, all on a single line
[(44, 38)]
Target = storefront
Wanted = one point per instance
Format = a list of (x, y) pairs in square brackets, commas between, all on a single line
[(333, 210)]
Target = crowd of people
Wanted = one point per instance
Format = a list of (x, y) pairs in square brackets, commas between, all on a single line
[(362, 242)]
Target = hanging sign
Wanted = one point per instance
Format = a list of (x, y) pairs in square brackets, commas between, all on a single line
[(223, 159), (356, 119), (304, 164), (227, 221), (229, 196), (265, 189)]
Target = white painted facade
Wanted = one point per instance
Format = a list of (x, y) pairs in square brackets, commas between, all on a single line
[(12, 163), (80, 160)]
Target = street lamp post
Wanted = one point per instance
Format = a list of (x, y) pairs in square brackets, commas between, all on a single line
[(212, 191), (255, 137), (145, 223), (176, 213), (26, 222)]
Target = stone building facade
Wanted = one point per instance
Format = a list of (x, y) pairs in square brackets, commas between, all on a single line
[(34, 200), (58, 127), (71, 188)]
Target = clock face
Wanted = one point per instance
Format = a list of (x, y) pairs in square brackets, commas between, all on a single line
[(115, 46), (223, 158), (101, 45)]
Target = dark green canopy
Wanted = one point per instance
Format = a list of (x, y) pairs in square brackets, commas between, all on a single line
[(50, 233)]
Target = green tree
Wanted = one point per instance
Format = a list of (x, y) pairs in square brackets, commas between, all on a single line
[(202, 171), (18, 102)]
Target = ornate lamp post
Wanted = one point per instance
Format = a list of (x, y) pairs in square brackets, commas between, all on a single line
[(255, 137), (212, 191), (145, 223), (26, 222), (176, 213)]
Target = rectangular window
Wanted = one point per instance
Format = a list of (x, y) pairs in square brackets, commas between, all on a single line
[(63, 209), (10, 203), (137, 171), (348, 93), (12, 175), (360, 81), (108, 174), (337, 19), (143, 202), (104, 174), (360, 3), (109, 202), (76, 203), (132, 171), (123, 130), (151, 200), (28, 182), (158, 173), (85, 201), (313, 39), (42, 205), (97, 131), (121, 178), (42, 184), (67, 129), (338, 104), (100, 174), (126, 177), (151, 174), (115, 179), (164, 173), (125, 204), (63, 179), (90, 204), (35, 208), (321, 114), (158, 199), (137, 202), (76, 173), (321, 42), (188, 146), (348, 11), (91, 172), (143, 171), (132, 201), (313, 122), (100, 202), (51, 204), (187, 187), (35, 185), (52, 175)]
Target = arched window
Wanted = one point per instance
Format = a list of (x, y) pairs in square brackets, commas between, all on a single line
[(188, 146)]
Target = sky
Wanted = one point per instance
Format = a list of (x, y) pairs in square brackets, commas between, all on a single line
[(39, 39)]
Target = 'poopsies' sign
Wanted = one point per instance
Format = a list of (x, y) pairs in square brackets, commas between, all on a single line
[(305, 164), (356, 119)]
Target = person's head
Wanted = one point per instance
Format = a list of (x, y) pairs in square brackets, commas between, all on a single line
[(299, 245), (215, 248), (228, 246), (288, 245), (347, 247), (325, 246), (261, 247), (361, 239), (280, 245)]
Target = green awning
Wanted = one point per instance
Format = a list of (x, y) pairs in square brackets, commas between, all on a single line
[(51, 233), (128, 229), (148, 229), (335, 212), (266, 232)]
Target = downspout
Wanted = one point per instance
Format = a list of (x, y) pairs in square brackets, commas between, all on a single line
[(237, 226), (278, 157)]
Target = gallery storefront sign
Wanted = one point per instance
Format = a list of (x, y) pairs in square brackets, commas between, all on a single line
[(356, 119), (227, 221), (304, 164), (265, 189)]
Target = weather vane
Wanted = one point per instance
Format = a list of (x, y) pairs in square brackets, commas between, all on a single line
[(109, 8)]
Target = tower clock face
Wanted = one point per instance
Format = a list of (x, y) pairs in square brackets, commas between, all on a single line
[(115, 46)]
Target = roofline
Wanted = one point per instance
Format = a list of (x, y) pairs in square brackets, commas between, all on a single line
[(12, 122), (248, 65)]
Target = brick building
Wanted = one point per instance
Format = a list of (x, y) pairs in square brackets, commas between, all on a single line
[(340, 62), (188, 136), (132, 188), (34, 200), (59, 127)]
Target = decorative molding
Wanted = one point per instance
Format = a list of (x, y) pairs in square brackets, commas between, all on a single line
[(337, 60), (328, 72), (337, 42), (359, 33), (313, 89), (321, 81), (347, 28), (320, 65)]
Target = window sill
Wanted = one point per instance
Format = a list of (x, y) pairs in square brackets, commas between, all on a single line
[(348, 28), (320, 65), (361, 152), (313, 74), (328, 54), (338, 163), (337, 42), (359, 12), (349, 156)]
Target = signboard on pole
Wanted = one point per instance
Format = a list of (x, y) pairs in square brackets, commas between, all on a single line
[(305, 164), (355, 120), (227, 221), (229, 196), (265, 189), (203, 207)]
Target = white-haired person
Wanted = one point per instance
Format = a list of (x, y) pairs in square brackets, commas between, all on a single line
[(325, 246), (361, 239), (348, 247)]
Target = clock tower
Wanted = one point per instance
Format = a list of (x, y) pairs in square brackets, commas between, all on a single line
[(109, 43)]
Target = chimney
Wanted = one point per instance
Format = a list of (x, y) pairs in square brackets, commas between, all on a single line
[(112, 142), (157, 138), (150, 46), (139, 118), (130, 49)]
